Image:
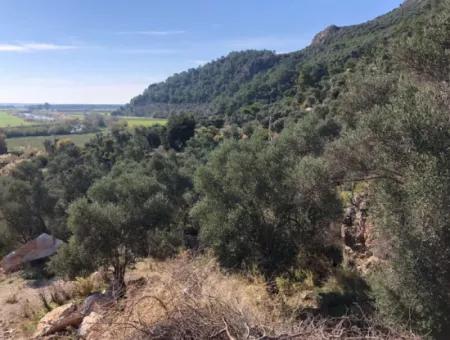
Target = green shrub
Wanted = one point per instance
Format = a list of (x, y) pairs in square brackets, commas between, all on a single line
[(71, 261), (163, 244)]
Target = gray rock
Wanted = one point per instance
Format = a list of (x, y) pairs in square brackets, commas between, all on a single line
[(39, 248)]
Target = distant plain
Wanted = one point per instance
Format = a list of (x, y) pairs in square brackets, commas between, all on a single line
[(9, 120)]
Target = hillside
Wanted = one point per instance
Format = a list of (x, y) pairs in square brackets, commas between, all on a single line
[(240, 79), (306, 197)]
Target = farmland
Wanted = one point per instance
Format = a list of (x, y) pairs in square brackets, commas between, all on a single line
[(32, 139), (37, 142), (140, 121), (131, 121), (9, 120)]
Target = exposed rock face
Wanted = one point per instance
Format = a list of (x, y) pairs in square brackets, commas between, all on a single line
[(358, 237), (39, 248), (355, 223), (321, 37)]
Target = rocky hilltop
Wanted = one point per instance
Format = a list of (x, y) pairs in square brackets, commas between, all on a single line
[(324, 35)]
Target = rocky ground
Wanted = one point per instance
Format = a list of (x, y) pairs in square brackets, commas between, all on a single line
[(153, 288)]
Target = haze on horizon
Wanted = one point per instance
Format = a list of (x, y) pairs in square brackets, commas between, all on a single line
[(107, 52)]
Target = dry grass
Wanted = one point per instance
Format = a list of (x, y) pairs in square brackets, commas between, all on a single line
[(191, 298), (84, 286), (56, 295), (12, 299)]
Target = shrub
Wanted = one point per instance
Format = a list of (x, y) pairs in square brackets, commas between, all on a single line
[(261, 204), (3, 146), (71, 261), (84, 286), (164, 243), (12, 299)]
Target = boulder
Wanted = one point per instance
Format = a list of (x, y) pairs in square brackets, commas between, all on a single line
[(88, 322), (58, 320), (37, 249), (96, 302)]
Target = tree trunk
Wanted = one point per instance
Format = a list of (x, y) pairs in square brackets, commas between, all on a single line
[(118, 286)]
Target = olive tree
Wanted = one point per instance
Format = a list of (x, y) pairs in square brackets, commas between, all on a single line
[(112, 223), (261, 203), (413, 211), (402, 148), (26, 206)]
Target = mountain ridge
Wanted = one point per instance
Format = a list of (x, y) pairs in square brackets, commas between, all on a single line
[(264, 78)]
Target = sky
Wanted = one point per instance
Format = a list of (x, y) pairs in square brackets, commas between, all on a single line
[(108, 51)]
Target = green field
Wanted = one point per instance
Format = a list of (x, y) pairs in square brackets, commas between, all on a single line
[(37, 142), (9, 120), (131, 121), (140, 121), (82, 114)]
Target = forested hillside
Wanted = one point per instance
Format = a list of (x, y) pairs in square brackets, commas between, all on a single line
[(257, 82), (313, 185)]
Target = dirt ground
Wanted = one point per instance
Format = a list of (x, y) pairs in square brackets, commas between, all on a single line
[(21, 306)]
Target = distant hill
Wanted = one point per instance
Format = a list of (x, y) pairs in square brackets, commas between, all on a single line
[(263, 80)]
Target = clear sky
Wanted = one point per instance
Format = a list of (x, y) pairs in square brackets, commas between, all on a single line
[(107, 51)]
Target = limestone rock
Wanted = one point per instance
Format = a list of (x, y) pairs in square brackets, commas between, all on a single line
[(58, 320), (88, 322)]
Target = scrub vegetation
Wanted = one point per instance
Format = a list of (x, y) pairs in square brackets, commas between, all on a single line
[(302, 195)]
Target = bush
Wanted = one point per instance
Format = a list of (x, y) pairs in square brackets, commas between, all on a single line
[(84, 286), (180, 129), (3, 146), (71, 261)]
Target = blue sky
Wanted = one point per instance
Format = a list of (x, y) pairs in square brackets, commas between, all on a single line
[(107, 51)]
